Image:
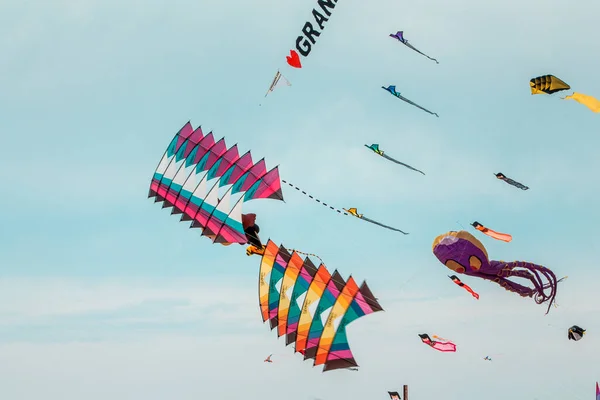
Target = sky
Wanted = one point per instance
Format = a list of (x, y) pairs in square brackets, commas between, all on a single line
[(105, 295)]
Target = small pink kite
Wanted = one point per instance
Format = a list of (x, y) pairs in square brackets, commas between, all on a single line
[(438, 345)]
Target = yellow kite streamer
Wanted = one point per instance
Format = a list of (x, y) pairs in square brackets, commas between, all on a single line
[(590, 102)]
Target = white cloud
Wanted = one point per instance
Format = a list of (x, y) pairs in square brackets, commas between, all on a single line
[(210, 360), (52, 297)]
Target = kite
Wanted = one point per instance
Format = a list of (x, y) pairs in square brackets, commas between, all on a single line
[(392, 90), (400, 36), (462, 285), (516, 184), (278, 80), (547, 84), (354, 211), (191, 174), (597, 391), (311, 306), (394, 395), (505, 237), (489, 357), (438, 345), (463, 253), (590, 102), (576, 333), (375, 148), (268, 359)]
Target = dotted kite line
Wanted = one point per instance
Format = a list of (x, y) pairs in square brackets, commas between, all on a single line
[(314, 198)]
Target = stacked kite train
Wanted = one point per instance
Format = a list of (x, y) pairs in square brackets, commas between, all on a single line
[(311, 306), (195, 169)]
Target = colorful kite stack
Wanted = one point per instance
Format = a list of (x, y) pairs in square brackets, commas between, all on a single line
[(311, 306)]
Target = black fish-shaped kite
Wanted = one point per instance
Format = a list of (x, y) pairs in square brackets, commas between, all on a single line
[(394, 395), (400, 36), (392, 90), (375, 148), (514, 183), (576, 333)]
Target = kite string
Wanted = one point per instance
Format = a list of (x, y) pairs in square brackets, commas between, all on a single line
[(314, 198), (345, 211), (307, 254)]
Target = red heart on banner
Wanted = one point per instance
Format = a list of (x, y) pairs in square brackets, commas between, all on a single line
[(294, 59)]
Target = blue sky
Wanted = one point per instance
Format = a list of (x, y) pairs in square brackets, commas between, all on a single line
[(103, 294)]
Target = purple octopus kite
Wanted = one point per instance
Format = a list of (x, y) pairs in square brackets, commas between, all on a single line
[(463, 253)]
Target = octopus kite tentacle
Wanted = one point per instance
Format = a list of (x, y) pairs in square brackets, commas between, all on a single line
[(514, 287), (534, 277), (463, 253)]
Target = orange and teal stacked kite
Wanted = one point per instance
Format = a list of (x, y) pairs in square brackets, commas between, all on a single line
[(311, 306)]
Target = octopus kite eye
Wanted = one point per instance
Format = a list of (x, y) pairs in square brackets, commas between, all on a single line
[(454, 266), (474, 262)]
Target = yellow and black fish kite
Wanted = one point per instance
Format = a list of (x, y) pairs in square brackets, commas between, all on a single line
[(547, 84), (550, 84)]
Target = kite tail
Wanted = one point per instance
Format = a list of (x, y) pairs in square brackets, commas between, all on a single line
[(418, 106), (314, 198), (431, 58), (473, 293), (382, 225), (401, 163), (420, 52)]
